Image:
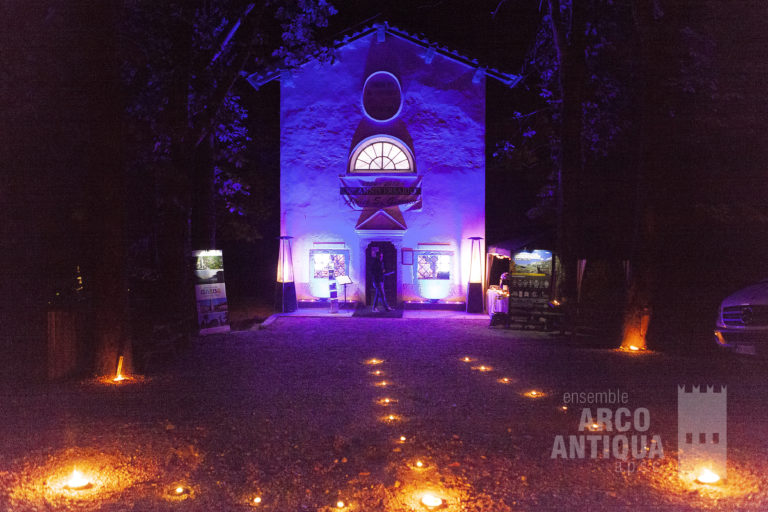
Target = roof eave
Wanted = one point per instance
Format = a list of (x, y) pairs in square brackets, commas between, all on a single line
[(510, 80)]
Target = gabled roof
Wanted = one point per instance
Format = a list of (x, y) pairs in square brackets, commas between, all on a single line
[(383, 29)]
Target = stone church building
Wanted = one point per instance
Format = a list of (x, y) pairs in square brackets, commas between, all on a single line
[(383, 150)]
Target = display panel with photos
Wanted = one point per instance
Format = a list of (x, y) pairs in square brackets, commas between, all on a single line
[(531, 275)]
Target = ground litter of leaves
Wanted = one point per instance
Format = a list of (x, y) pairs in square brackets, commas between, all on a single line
[(294, 415)]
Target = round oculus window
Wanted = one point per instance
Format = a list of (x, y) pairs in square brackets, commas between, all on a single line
[(382, 97)]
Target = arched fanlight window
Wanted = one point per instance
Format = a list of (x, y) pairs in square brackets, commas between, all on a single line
[(381, 154)]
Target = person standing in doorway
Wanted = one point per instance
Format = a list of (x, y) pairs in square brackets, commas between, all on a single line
[(377, 273)]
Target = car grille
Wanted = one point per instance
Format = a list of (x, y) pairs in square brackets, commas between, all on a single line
[(742, 316), (745, 337)]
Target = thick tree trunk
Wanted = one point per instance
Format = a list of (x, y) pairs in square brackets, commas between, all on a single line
[(638, 312), (570, 54), (110, 313)]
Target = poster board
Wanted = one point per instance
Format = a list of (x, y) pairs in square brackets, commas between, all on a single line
[(210, 292), (530, 278)]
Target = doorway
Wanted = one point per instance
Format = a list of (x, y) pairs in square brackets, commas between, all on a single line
[(390, 265)]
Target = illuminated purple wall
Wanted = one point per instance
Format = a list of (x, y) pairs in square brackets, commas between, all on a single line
[(442, 121)]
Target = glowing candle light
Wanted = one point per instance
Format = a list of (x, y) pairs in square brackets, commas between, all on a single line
[(179, 490), (431, 501), (257, 500), (77, 481), (419, 464), (632, 347), (374, 361), (466, 359), (119, 373), (340, 504), (534, 394), (382, 384), (402, 439), (482, 368), (595, 427), (563, 407), (707, 476)]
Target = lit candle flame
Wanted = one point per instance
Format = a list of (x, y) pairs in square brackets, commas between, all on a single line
[(77, 481), (339, 504), (257, 500), (707, 476), (430, 500), (632, 347), (402, 439), (466, 359), (179, 490), (119, 373), (374, 361)]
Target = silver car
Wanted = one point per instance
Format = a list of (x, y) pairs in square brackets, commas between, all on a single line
[(742, 321)]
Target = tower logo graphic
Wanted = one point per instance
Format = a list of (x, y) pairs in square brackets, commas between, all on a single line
[(701, 432)]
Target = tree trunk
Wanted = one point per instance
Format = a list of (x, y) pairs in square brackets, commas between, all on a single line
[(570, 54), (110, 310), (204, 215), (638, 312)]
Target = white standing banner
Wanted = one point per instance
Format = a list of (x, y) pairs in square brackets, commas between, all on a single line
[(210, 292)]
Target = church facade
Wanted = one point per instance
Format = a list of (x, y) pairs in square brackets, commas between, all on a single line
[(383, 151)]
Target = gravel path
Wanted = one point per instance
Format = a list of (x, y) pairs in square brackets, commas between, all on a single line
[(293, 415)]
